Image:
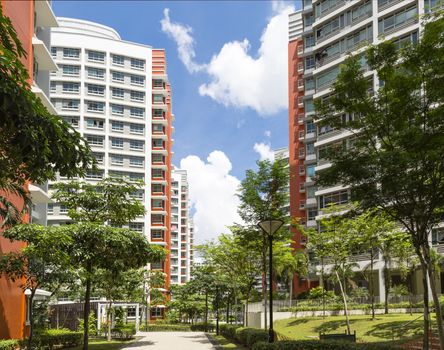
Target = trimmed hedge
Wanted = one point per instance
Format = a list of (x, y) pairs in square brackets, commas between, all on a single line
[(167, 328), (10, 344), (320, 345), (312, 306), (229, 330), (61, 338), (125, 332), (203, 327), (249, 336)]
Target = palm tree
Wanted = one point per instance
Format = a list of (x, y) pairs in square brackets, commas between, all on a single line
[(10, 211)]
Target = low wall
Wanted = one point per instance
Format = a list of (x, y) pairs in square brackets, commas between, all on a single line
[(256, 319)]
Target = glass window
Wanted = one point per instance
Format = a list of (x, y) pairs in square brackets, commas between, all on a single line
[(53, 52), (137, 96), (70, 105), (310, 127), (137, 64), (158, 158), (94, 123), (96, 73), (158, 113), (335, 198), (116, 160), (94, 106), (73, 121), (117, 76), (99, 157), (309, 62), (310, 148), (117, 109), (96, 56), (94, 140), (117, 93), (137, 80), (136, 226), (158, 234), (136, 145), (70, 70), (71, 87), (310, 170), (96, 90), (136, 161), (157, 173), (71, 53), (116, 143), (118, 60), (309, 84), (137, 112), (137, 129), (157, 143), (116, 126), (158, 128)]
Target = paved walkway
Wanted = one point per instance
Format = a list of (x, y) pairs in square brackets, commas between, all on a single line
[(171, 341)]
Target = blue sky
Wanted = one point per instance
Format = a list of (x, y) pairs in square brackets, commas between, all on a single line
[(211, 115)]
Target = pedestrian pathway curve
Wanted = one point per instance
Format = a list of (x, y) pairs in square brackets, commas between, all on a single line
[(171, 341)]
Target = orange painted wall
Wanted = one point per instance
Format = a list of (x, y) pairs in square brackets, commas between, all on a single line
[(295, 161), (12, 299)]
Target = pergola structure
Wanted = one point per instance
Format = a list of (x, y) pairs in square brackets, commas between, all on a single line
[(102, 307)]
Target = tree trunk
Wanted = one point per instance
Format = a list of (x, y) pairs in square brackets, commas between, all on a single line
[(291, 292), (109, 320), (438, 312), (206, 306), (87, 307), (264, 290), (372, 289), (386, 285), (31, 317), (425, 341), (345, 303), (323, 288), (246, 309)]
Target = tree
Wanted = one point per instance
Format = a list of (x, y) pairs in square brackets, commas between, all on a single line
[(395, 161), (35, 145), (263, 195), (152, 281), (42, 263), (96, 245)]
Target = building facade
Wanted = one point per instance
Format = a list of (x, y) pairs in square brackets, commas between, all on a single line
[(116, 94), (32, 22), (182, 229), (331, 30)]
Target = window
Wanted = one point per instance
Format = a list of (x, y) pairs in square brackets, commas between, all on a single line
[(71, 53), (137, 64), (117, 77), (117, 93), (309, 106), (310, 170), (96, 56), (325, 79), (116, 143), (311, 192), (117, 109), (94, 175), (136, 161), (157, 98), (116, 160), (411, 38), (397, 20), (94, 140), (157, 219), (54, 52), (99, 157), (96, 90), (118, 60), (117, 126), (137, 96), (136, 145), (137, 129), (50, 210), (157, 188), (157, 143), (309, 41), (309, 84), (335, 198), (310, 127), (94, 124), (310, 148), (73, 121), (158, 158), (94, 106), (136, 226), (137, 80), (137, 194), (70, 87), (96, 73), (158, 113), (72, 105), (63, 209), (158, 203), (158, 128), (157, 173), (53, 86), (137, 112), (157, 234), (309, 62), (311, 214), (71, 70), (438, 235)]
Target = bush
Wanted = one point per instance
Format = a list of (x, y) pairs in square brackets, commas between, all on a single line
[(320, 345), (203, 327), (61, 338), (241, 335), (167, 328), (126, 332), (229, 330), (10, 344), (249, 336)]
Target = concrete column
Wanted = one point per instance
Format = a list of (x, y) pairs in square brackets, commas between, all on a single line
[(99, 317), (137, 317), (381, 285)]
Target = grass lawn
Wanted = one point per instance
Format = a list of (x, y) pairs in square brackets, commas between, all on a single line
[(226, 344), (383, 328), (102, 344)]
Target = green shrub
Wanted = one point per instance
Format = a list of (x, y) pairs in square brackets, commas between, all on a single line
[(229, 330), (167, 328), (320, 345), (203, 327), (60, 338), (241, 335), (10, 344), (255, 335), (126, 331)]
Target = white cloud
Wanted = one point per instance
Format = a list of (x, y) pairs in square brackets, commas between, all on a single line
[(181, 34), (267, 133), (212, 194), (264, 150), (239, 78)]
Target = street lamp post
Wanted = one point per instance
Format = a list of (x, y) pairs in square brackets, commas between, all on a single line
[(270, 226)]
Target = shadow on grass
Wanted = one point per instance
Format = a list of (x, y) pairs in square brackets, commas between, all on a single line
[(395, 330), (336, 326), (297, 321)]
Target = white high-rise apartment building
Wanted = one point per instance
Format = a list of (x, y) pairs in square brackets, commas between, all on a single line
[(182, 229), (116, 94), (331, 30)]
